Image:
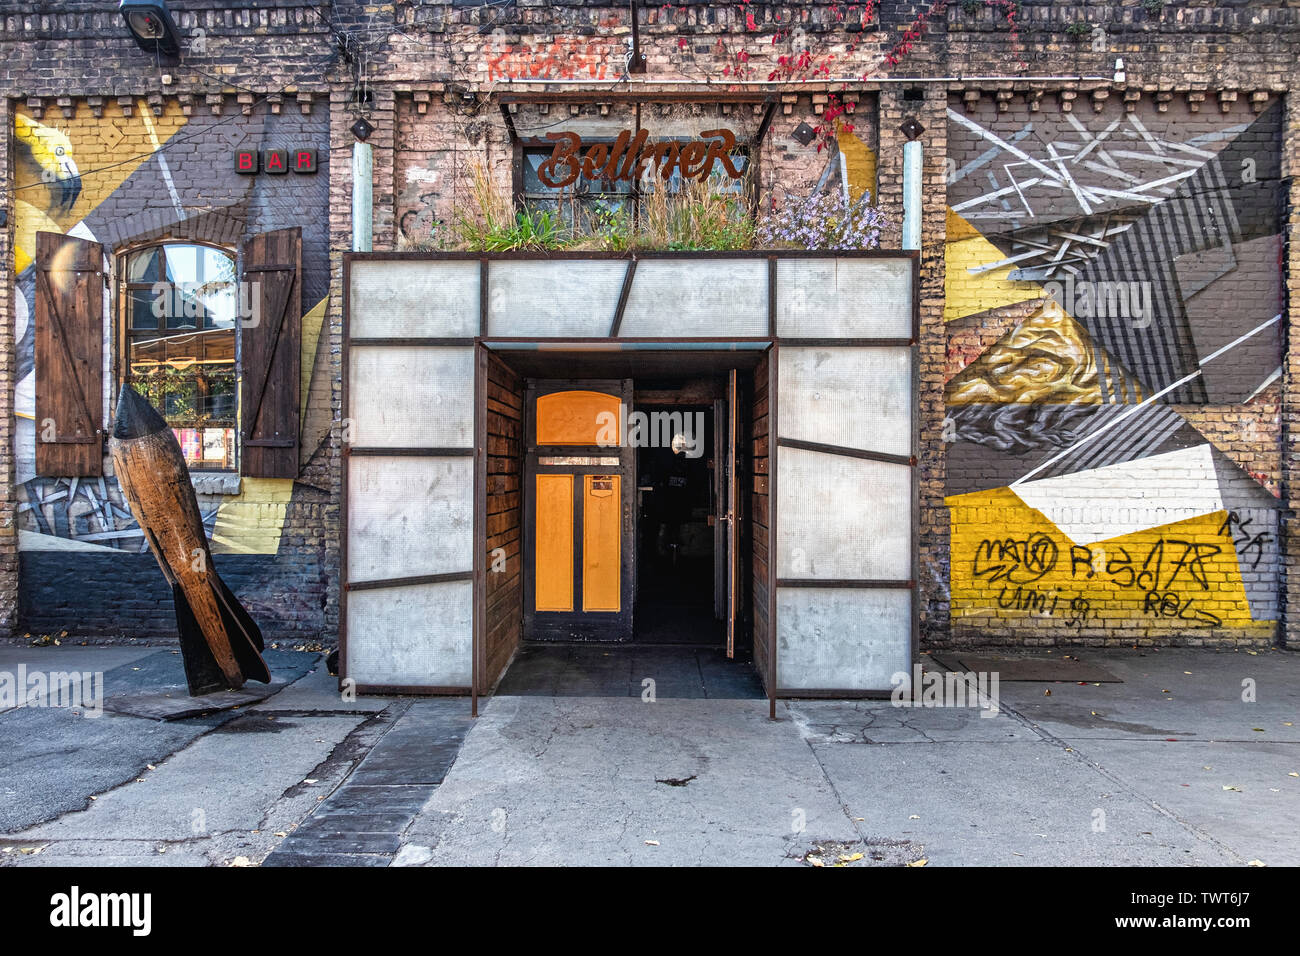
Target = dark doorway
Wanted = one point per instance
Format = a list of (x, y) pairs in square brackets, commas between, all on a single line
[(690, 564), (677, 509), (647, 671)]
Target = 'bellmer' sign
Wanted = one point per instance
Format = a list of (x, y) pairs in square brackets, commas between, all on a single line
[(628, 156)]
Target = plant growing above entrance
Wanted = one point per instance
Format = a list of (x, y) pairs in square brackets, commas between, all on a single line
[(825, 220), (694, 216)]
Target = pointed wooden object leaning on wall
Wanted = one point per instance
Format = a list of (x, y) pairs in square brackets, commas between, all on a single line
[(220, 643)]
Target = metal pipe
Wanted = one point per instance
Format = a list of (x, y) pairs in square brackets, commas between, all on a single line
[(912, 194), (819, 83), (363, 202)]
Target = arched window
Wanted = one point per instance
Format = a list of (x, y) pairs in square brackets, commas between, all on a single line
[(178, 306)]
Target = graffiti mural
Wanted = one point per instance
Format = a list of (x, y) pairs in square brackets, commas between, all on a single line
[(1113, 312), (109, 178), (562, 59), (122, 175)]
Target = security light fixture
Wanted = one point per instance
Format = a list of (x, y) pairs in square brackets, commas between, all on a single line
[(151, 26), (361, 129)]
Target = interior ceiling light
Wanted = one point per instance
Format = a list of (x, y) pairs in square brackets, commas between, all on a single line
[(151, 26)]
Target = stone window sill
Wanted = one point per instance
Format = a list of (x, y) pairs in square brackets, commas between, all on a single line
[(215, 482)]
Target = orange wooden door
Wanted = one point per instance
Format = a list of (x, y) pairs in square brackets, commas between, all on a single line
[(578, 531)]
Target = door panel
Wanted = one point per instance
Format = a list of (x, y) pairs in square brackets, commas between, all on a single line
[(553, 552), (601, 558), (732, 485), (578, 512), (719, 516)]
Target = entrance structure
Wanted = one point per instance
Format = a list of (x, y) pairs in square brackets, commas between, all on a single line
[(444, 469)]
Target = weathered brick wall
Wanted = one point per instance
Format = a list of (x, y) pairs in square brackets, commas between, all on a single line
[(409, 67), (926, 106), (1290, 383), (442, 143), (8, 361)]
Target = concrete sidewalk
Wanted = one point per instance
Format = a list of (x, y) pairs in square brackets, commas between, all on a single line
[(1170, 767)]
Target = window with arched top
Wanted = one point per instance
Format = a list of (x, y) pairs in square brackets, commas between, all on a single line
[(179, 303)]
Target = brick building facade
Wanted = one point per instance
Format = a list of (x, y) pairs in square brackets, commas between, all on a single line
[(1106, 379)]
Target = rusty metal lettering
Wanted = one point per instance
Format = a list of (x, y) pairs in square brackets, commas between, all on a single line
[(628, 158), (721, 143), (566, 146)]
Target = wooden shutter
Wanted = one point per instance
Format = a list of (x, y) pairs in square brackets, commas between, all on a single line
[(69, 356), (270, 354)]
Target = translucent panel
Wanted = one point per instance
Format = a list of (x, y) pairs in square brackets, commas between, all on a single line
[(844, 298), (841, 639), (416, 636), (414, 299), (840, 517), (557, 297), (403, 397), (691, 297), (852, 397), (409, 516), (577, 417)]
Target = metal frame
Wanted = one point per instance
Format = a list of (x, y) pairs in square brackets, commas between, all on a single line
[(614, 341), (913, 344)]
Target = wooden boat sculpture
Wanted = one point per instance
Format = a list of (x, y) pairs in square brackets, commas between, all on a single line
[(220, 644)]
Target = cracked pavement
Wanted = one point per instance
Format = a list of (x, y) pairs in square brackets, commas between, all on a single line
[(1175, 765)]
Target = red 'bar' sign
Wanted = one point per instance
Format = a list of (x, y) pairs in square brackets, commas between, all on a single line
[(628, 156), (249, 162)]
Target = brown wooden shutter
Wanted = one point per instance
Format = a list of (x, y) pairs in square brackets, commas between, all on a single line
[(69, 356), (271, 354)]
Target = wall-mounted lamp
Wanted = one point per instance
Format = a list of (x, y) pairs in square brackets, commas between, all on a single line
[(362, 129), (151, 26)]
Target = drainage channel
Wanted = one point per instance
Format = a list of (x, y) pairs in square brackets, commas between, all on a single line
[(361, 823)]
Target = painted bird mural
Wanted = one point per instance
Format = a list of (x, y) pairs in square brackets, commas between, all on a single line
[(220, 644), (46, 174)]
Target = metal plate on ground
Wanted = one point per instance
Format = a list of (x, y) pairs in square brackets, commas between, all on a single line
[(1035, 669), (178, 705)]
